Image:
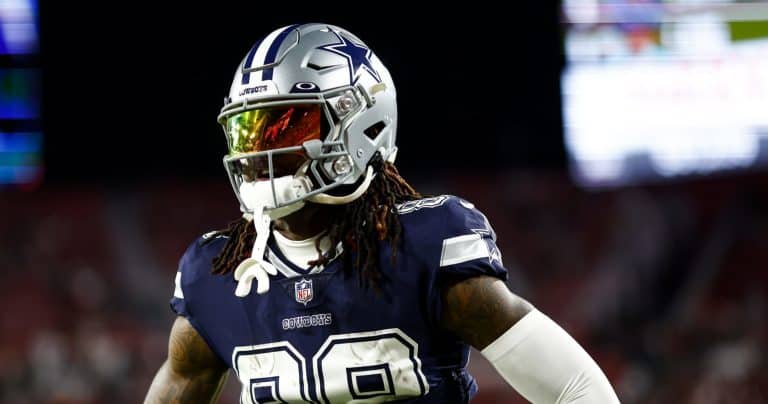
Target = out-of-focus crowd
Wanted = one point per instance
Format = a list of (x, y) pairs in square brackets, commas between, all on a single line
[(666, 286)]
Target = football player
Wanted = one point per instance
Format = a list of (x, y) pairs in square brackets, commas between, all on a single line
[(341, 283)]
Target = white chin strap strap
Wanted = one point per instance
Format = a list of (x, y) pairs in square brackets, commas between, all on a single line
[(262, 197), (326, 199), (258, 196), (255, 267), (262, 193)]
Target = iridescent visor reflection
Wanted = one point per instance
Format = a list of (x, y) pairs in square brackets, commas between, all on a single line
[(273, 128)]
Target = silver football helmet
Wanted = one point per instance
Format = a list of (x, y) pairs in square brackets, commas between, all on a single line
[(309, 108)]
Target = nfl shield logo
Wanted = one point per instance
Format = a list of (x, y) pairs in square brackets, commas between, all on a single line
[(303, 290)]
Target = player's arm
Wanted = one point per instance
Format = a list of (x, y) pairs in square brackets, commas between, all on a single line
[(533, 354), (192, 373)]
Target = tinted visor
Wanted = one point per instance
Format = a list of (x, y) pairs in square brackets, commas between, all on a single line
[(274, 127)]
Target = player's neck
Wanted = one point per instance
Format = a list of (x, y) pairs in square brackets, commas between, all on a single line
[(305, 223)]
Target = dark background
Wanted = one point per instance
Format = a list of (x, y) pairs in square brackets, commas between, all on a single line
[(132, 91)]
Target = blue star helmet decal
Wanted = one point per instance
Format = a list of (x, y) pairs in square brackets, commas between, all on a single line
[(358, 57)]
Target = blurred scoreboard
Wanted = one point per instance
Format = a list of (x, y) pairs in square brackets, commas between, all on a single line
[(20, 121), (659, 90)]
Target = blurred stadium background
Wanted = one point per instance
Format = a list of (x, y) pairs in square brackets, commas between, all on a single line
[(618, 147)]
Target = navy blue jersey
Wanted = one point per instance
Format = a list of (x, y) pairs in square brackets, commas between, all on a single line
[(317, 336)]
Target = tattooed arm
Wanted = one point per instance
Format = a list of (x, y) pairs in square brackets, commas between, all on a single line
[(192, 373), (533, 354), (480, 309)]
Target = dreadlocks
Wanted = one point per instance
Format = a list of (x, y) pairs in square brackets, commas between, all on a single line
[(359, 226)]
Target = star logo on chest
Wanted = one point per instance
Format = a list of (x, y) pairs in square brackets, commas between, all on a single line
[(358, 57)]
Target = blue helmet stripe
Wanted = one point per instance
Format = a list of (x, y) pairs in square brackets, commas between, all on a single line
[(248, 60), (272, 52)]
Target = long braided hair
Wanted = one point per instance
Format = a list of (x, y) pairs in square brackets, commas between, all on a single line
[(360, 226)]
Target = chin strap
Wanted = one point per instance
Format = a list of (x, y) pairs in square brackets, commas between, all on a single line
[(340, 200), (255, 266)]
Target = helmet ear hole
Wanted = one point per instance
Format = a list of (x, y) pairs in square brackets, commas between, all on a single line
[(373, 131)]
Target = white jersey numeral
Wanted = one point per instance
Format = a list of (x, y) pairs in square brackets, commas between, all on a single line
[(274, 371), (364, 367)]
